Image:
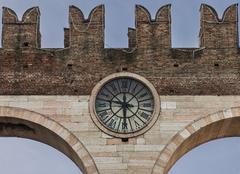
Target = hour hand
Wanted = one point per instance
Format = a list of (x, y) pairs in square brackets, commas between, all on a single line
[(130, 105), (118, 102)]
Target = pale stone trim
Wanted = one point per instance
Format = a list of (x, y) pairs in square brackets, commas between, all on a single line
[(227, 113), (185, 133)]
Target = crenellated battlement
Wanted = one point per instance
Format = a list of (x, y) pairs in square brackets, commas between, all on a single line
[(88, 31), (148, 33), (211, 69), (153, 33), (219, 33), (25, 33)]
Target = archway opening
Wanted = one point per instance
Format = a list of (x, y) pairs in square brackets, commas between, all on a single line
[(214, 126), (225, 127), (25, 156), (17, 122), (218, 156)]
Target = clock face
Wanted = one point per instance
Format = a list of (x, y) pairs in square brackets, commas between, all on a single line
[(124, 105)]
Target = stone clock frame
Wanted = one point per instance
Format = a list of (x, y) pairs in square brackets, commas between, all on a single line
[(139, 78)]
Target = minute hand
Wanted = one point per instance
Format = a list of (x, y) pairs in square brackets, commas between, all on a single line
[(124, 105)]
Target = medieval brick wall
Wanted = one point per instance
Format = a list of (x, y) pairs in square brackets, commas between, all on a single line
[(211, 69)]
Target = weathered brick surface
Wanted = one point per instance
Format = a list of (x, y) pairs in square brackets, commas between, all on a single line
[(25, 33), (212, 69), (219, 33)]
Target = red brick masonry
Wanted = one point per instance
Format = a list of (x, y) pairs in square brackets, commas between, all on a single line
[(212, 69)]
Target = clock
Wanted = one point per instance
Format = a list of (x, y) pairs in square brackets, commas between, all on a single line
[(124, 105)]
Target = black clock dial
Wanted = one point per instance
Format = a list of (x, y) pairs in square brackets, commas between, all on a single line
[(124, 105)]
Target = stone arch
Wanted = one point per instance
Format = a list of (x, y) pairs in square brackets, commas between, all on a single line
[(18, 122), (218, 125)]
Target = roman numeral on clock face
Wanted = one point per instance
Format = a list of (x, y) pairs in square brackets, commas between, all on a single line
[(124, 126), (103, 115), (112, 124), (113, 87)]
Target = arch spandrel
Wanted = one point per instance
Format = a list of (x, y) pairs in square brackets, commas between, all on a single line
[(17, 122), (218, 125)]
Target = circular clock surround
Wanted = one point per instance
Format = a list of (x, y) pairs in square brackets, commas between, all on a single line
[(124, 105)]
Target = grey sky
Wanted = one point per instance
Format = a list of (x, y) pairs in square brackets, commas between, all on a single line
[(215, 157), (30, 157), (23, 156)]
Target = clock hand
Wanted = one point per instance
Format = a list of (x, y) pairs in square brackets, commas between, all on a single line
[(118, 102), (121, 103), (124, 105), (129, 105)]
